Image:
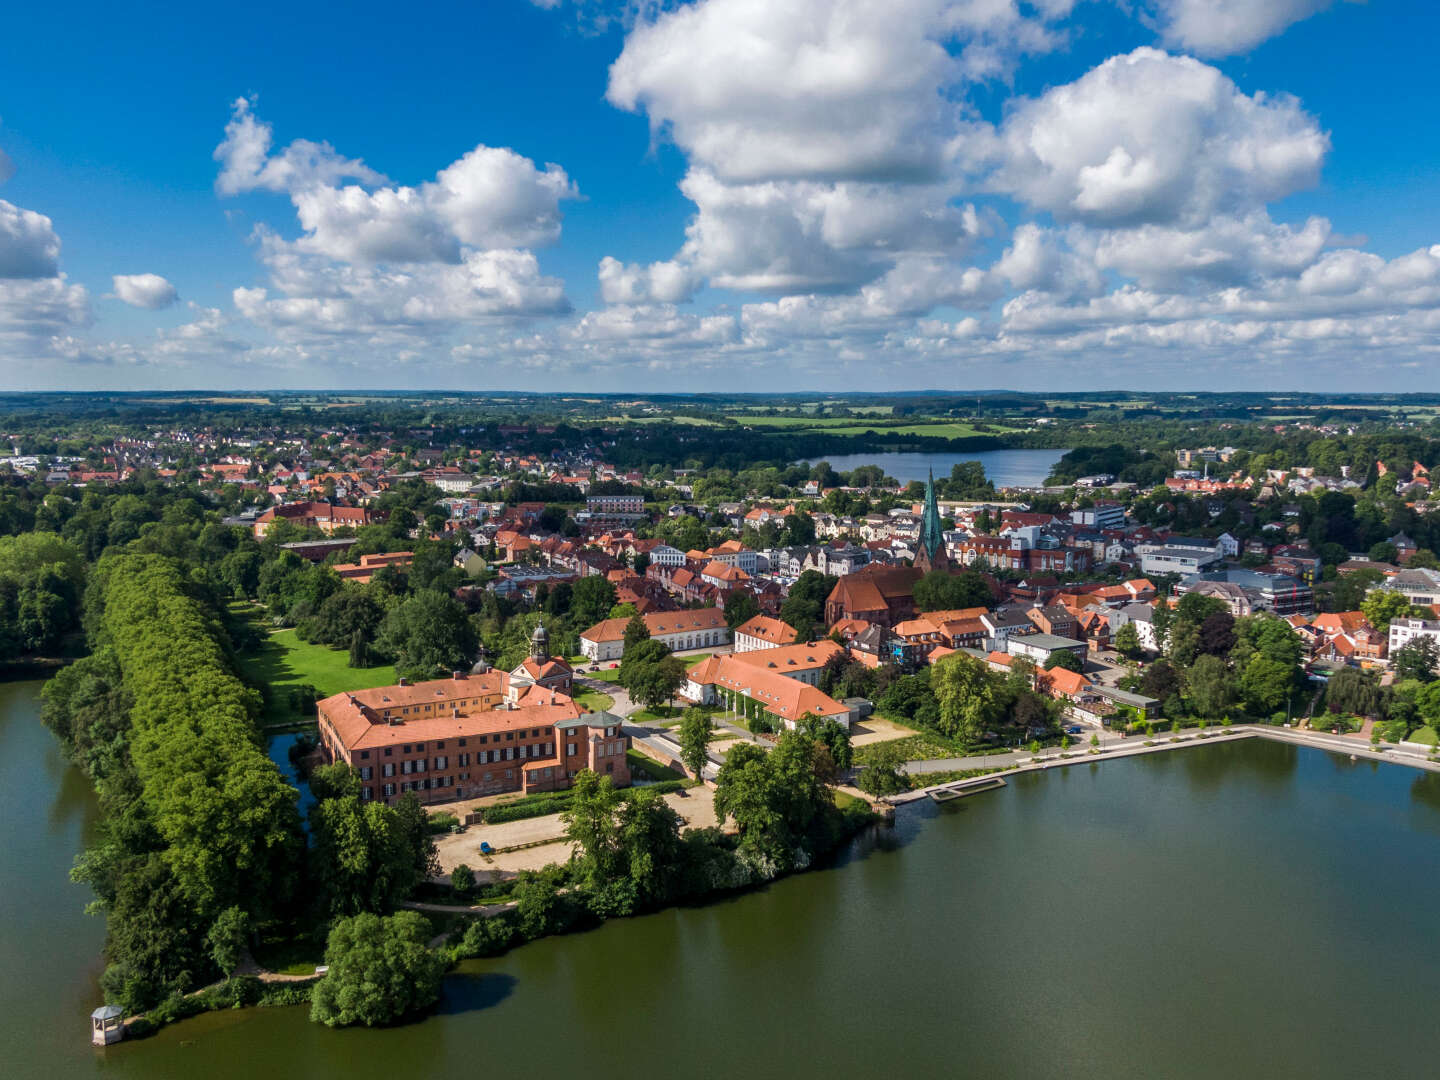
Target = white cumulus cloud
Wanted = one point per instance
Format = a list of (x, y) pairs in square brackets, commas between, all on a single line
[(1150, 138), (150, 291), (29, 247), (1224, 27)]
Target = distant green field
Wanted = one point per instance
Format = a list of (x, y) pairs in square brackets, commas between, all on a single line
[(692, 421), (284, 662), (840, 425)]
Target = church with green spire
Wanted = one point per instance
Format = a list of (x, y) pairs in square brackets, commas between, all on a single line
[(931, 553)]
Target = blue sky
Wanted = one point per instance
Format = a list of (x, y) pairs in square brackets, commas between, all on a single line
[(837, 193)]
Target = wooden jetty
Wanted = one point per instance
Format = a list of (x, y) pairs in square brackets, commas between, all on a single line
[(960, 788)]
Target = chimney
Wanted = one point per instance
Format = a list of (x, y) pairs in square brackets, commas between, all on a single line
[(457, 675), (404, 681)]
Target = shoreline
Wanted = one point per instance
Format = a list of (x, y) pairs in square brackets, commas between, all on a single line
[(1234, 733)]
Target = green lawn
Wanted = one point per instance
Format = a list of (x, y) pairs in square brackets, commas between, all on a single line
[(289, 956), (696, 660), (644, 765), (284, 662), (605, 674), (664, 714), (594, 700), (1424, 735)]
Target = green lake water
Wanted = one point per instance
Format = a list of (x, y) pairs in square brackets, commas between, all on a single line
[(1240, 910)]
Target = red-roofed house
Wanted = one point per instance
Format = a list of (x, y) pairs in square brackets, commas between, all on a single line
[(762, 632), (753, 690), (697, 628)]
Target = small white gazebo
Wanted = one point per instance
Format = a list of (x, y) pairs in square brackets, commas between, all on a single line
[(107, 1025)]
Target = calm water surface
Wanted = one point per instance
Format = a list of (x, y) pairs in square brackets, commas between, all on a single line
[(1242, 910), (1004, 468)]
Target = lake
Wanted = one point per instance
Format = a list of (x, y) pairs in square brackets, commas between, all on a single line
[(1004, 468), (1249, 909)]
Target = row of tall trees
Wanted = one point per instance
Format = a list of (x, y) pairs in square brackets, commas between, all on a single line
[(198, 827)]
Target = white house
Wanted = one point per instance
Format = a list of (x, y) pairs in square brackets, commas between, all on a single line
[(1404, 631), (1141, 615), (665, 555), (1041, 647), (762, 632), (699, 628)]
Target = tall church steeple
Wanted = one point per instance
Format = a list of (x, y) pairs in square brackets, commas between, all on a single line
[(931, 553)]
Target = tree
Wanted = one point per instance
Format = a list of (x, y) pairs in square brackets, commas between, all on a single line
[(941, 590), (1066, 659), (1161, 681), (228, 937), (635, 632), (695, 733), (380, 971), (365, 855), (799, 530), (832, 735), (740, 607), (1212, 688), (1351, 690), (650, 845), (591, 599), (1160, 622), (462, 880), (968, 696), (1416, 660), (1350, 588), (777, 800), (650, 674), (337, 780), (1184, 642), (804, 607), (590, 825), (884, 772), (1382, 605), (427, 634), (626, 847), (1127, 641), (1384, 552), (1266, 684), (1217, 634)]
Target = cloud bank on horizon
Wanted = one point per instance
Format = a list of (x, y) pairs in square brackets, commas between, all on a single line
[(861, 214)]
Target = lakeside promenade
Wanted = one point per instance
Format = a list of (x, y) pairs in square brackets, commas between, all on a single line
[(1114, 746)]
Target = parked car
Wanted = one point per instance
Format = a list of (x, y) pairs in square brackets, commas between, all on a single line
[(1073, 729)]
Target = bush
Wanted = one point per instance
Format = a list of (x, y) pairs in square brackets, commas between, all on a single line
[(528, 807), (291, 993), (381, 970), (488, 937), (442, 822)]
